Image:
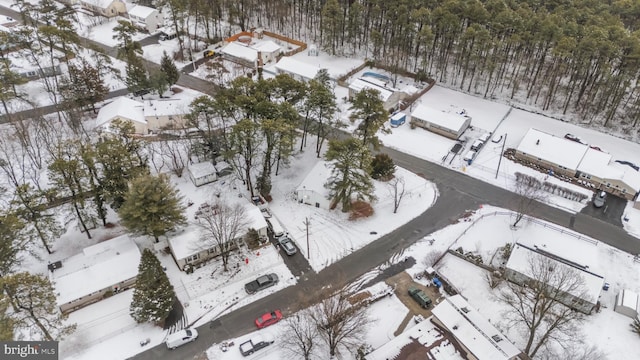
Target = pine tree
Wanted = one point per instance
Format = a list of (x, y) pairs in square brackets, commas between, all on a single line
[(137, 79), (36, 307), (158, 82), (12, 241), (382, 167), (153, 296), (347, 178), (152, 206), (168, 67), (369, 110), (6, 322), (85, 86)]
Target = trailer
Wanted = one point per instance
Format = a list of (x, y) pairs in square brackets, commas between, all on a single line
[(398, 119)]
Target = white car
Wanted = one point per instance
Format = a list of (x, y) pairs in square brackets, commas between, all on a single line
[(181, 337), (470, 156)]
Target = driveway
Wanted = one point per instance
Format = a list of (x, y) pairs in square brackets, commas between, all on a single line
[(611, 212)]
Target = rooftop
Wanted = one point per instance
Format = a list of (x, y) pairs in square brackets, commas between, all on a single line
[(316, 178), (553, 149), (473, 330), (121, 107), (360, 84), (167, 107), (241, 51), (141, 11), (446, 120), (289, 64), (97, 267), (202, 169)]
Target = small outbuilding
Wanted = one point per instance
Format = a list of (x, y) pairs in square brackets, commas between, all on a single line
[(202, 173), (627, 303), (442, 123), (312, 191)]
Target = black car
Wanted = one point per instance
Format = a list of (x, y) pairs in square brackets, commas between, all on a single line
[(261, 283)]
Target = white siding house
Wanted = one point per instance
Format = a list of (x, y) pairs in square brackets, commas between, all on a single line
[(146, 18), (312, 191), (163, 114), (297, 69), (107, 8), (123, 109), (446, 124), (100, 270), (202, 173)]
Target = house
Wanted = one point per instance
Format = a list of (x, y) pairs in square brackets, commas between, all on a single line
[(311, 190), (202, 173), (146, 18), (475, 334), (166, 114), (583, 298), (97, 272), (298, 70), (252, 54), (123, 109), (268, 51), (579, 162), (627, 303), (107, 8), (188, 249), (451, 125), (390, 97)]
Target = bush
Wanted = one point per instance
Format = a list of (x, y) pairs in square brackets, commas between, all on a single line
[(382, 167), (360, 209)]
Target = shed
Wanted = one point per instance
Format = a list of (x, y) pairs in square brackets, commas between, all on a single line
[(398, 119), (627, 303), (442, 123), (311, 190), (202, 173)]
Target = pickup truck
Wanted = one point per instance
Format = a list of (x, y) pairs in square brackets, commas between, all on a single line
[(258, 342), (260, 283), (420, 297)]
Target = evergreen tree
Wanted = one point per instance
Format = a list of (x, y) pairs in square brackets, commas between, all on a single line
[(30, 205), (382, 167), (158, 82), (6, 322), (123, 33), (8, 82), (12, 241), (168, 67), (153, 296), (85, 86), (36, 307), (347, 178), (369, 110), (137, 78), (152, 206)]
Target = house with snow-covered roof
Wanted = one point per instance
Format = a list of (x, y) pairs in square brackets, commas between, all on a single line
[(451, 125), (97, 272), (584, 298), (473, 332), (627, 303), (123, 109), (251, 54), (145, 18), (166, 114), (202, 173), (297, 69), (190, 249), (311, 190), (107, 8), (390, 96), (579, 162)]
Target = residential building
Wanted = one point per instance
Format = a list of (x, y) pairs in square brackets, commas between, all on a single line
[(123, 109), (107, 8), (99, 271), (451, 125), (297, 69), (202, 173), (311, 190), (146, 18), (252, 54), (166, 114), (390, 96)]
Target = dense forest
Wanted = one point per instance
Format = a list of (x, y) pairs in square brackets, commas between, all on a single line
[(573, 59)]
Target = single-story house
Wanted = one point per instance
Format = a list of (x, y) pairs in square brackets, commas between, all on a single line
[(189, 248), (297, 69), (390, 97), (474, 333), (202, 173), (146, 18), (627, 303), (580, 162), (267, 50), (107, 8), (450, 125), (583, 298), (99, 271), (166, 114), (311, 190), (124, 109), (240, 53)]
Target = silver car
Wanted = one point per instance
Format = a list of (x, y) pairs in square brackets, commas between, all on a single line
[(599, 199), (287, 245)]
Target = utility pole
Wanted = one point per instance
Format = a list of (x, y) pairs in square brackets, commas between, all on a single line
[(504, 141), (307, 223)]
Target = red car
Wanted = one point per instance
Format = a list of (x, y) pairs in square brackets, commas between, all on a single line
[(268, 319)]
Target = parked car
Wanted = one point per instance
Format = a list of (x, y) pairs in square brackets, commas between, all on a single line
[(261, 283), (269, 318), (477, 145), (420, 297), (181, 337), (258, 342), (573, 138), (599, 199), (274, 226), (287, 245), (470, 156), (209, 53), (485, 137)]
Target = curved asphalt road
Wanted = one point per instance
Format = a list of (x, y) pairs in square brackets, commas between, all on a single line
[(457, 193)]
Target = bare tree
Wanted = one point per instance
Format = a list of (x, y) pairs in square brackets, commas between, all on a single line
[(537, 309), (299, 337), (339, 322), (432, 258), (397, 190), (574, 350), (222, 226), (530, 194)]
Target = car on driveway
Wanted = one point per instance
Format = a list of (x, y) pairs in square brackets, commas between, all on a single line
[(599, 199), (269, 318), (261, 283), (420, 297), (287, 245)]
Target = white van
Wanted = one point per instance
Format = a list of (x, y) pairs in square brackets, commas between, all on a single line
[(275, 227), (470, 156), (181, 337)]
